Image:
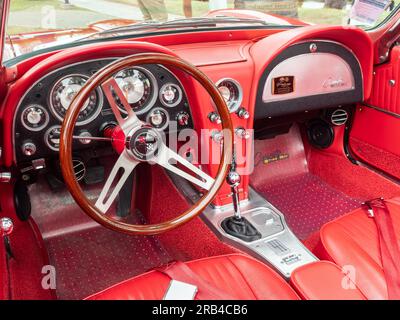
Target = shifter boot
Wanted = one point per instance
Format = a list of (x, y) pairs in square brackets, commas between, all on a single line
[(240, 228)]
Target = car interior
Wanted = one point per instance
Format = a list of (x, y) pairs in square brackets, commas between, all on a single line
[(253, 162)]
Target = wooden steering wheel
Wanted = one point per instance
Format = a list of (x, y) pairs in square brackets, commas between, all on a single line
[(136, 133)]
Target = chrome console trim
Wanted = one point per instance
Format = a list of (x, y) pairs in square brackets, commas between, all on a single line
[(279, 247)]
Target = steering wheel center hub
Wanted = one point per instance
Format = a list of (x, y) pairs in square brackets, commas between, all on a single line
[(143, 143)]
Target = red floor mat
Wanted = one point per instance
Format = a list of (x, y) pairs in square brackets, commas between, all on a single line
[(281, 175), (88, 257), (307, 202), (93, 259)]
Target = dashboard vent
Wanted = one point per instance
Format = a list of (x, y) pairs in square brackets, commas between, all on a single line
[(339, 117), (79, 169)]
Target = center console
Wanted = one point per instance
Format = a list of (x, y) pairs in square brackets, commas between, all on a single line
[(277, 245)]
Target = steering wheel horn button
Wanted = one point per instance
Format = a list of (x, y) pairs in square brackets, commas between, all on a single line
[(144, 143)]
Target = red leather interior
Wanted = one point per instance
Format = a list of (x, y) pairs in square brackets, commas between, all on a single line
[(324, 280), (242, 277), (352, 240)]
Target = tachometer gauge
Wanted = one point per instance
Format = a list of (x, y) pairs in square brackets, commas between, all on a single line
[(34, 117), (139, 88), (52, 138), (232, 93), (65, 90), (170, 95)]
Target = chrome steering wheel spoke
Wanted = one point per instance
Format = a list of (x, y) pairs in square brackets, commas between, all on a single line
[(127, 121), (169, 159)]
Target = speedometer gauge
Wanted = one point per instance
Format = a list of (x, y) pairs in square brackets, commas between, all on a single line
[(65, 90), (232, 93), (139, 88)]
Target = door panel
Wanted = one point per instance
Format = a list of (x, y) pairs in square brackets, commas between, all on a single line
[(375, 135)]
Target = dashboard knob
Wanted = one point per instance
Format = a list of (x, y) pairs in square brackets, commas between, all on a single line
[(214, 117), (29, 149), (243, 113), (83, 135), (217, 136), (183, 119), (6, 227), (242, 133)]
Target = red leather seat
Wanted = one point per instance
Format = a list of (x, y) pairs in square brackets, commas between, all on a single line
[(238, 275), (352, 242)]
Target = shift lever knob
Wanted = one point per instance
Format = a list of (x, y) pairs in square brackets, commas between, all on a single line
[(233, 179), (6, 227)]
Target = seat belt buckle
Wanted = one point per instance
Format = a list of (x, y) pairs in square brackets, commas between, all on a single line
[(367, 206), (370, 204)]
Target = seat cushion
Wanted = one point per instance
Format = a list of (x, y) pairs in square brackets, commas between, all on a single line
[(352, 242), (240, 276)]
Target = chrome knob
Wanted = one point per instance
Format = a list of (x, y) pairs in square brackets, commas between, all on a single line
[(5, 177), (183, 119), (214, 117), (29, 149), (233, 178), (242, 133), (83, 135), (243, 113), (6, 227), (217, 136)]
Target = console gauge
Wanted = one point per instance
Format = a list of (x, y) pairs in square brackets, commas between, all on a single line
[(34, 117), (170, 95), (65, 90), (232, 93), (139, 88), (52, 138)]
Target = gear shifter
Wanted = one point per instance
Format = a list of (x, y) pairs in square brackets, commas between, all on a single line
[(238, 226)]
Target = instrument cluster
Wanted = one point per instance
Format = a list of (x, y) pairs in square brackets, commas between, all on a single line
[(152, 91)]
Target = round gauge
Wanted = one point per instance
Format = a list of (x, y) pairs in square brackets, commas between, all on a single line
[(65, 90), (232, 93), (170, 95), (139, 88), (52, 138), (158, 118), (34, 117)]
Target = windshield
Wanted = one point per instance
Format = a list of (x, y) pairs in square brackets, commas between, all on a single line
[(38, 24)]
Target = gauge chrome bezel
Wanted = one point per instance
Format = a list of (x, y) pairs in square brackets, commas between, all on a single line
[(153, 82), (180, 94), (99, 106), (166, 123), (26, 126), (46, 135), (238, 102)]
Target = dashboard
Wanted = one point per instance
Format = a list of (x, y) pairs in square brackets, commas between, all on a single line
[(260, 74)]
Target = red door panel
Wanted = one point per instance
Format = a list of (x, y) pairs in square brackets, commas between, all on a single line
[(375, 134)]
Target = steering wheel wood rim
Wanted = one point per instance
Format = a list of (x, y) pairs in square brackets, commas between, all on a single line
[(72, 114)]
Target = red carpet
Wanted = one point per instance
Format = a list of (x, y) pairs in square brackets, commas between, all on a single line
[(306, 200), (87, 256), (93, 259)]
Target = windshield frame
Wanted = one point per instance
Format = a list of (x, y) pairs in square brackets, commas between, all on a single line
[(15, 60)]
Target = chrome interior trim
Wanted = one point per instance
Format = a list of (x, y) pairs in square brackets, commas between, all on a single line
[(279, 247), (311, 76)]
